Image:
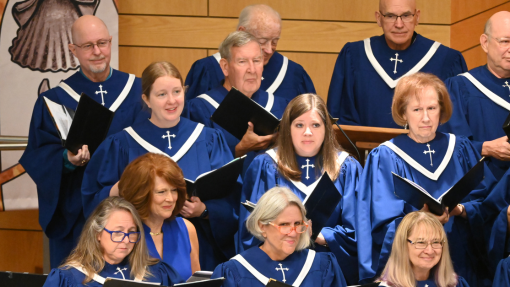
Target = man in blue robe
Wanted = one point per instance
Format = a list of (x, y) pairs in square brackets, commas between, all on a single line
[(242, 64), (481, 96), (56, 171), (281, 77), (366, 72)]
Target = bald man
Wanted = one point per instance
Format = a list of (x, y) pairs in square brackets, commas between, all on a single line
[(366, 72), (56, 171), (281, 76), (482, 96)]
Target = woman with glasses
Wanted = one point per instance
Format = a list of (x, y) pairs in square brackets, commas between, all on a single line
[(420, 255), (279, 222), (111, 245), (154, 184), (434, 161), (305, 149)]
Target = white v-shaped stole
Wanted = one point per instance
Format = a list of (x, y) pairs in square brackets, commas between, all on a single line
[(179, 154), (379, 69), (301, 186), (268, 107), (490, 94), (407, 158), (100, 279), (116, 104), (264, 280)]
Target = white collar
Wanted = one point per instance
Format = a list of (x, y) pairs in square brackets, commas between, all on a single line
[(490, 94)]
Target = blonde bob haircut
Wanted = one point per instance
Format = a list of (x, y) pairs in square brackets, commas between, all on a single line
[(399, 270), (269, 206), (88, 253), (285, 151), (413, 85)]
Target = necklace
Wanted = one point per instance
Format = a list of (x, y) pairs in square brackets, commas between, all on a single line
[(155, 233)]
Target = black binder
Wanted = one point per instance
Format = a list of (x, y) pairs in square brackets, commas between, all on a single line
[(114, 282), (200, 276), (506, 126), (217, 282), (274, 283), (417, 196), (218, 183), (236, 110), (14, 279)]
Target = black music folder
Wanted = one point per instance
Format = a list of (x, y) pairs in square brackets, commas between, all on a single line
[(217, 282), (506, 126), (200, 276), (236, 110), (217, 183), (274, 283), (114, 282), (417, 196), (319, 205), (88, 125), (15, 279)]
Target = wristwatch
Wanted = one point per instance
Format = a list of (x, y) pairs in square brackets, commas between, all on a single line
[(204, 214)]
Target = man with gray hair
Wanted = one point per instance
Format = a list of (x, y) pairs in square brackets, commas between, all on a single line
[(241, 64), (281, 76)]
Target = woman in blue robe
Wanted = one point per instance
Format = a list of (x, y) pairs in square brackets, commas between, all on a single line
[(195, 148), (435, 161), (155, 185), (111, 245), (305, 149), (279, 221)]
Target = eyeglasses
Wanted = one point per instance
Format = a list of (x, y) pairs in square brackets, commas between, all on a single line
[(101, 44), (391, 18), (118, 236), (503, 42), (423, 244), (286, 229)]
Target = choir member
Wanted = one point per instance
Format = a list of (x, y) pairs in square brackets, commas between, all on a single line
[(366, 72), (279, 222), (420, 255), (111, 245), (306, 148), (195, 148), (281, 77), (155, 185), (481, 96), (57, 172), (434, 161)]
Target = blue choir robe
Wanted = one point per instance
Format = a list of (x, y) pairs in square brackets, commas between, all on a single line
[(281, 77), (201, 109), (435, 166), (254, 268), (176, 246), (461, 282), (196, 149), (502, 277), (339, 232), (58, 188), (72, 277), (481, 103), (366, 73)]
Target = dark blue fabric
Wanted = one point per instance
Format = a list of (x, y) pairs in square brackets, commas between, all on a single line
[(206, 74), (502, 277), (324, 270), (59, 191), (359, 96), (379, 211)]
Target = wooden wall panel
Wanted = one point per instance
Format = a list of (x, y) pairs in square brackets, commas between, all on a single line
[(21, 251), (164, 7), (135, 59), (2, 8), (462, 9), (475, 57), (20, 219)]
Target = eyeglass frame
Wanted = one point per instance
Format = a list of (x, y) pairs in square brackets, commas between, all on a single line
[(398, 16), (93, 45), (292, 228), (125, 235), (428, 243), (498, 40)]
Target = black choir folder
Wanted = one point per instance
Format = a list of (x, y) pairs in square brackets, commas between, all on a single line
[(506, 126), (114, 282), (217, 183), (15, 279), (274, 283), (236, 110), (417, 196), (319, 205), (87, 126)]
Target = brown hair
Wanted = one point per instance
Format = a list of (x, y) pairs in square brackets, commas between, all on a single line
[(327, 156), (157, 70), (138, 181), (413, 85)]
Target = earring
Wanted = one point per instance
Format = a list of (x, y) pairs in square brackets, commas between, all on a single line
[(406, 126)]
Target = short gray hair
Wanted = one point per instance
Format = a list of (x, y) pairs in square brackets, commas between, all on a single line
[(487, 28), (235, 39), (245, 18), (269, 206)]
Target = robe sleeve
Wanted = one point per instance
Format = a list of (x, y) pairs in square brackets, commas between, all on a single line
[(59, 278), (232, 278), (341, 239), (259, 178), (202, 77), (305, 82), (341, 102), (462, 282), (165, 274), (502, 277), (457, 64), (332, 274), (103, 171)]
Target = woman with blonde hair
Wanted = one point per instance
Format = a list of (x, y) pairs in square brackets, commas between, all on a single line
[(305, 149), (279, 222), (111, 245), (420, 255)]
